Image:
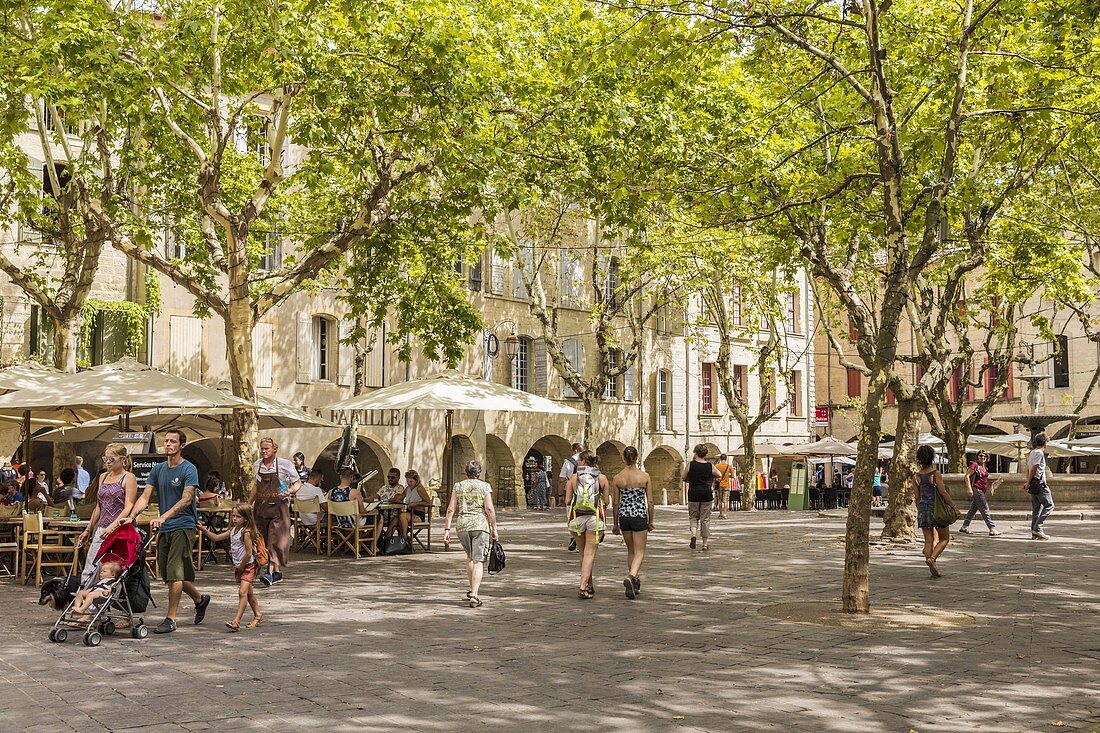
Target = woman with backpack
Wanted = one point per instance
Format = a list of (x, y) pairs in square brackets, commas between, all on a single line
[(699, 475), (472, 502), (586, 492)]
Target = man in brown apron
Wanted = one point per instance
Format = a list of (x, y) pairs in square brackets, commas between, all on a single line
[(276, 482)]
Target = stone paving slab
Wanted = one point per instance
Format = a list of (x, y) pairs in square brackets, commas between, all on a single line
[(386, 644)]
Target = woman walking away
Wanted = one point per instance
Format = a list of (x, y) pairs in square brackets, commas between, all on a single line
[(1042, 502), (244, 548), (586, 494), (700, 475), (115, 500), (632, 493), (472, 501), (926, 483), (977, 486)]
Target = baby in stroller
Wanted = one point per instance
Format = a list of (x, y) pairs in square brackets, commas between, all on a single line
[(98, 609), (101, 590)]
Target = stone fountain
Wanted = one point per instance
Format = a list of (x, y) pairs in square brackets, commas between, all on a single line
[(1035, 421)]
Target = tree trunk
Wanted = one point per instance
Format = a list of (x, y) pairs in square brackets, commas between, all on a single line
[(66, 341), (900, 519), (245, 423), (856, 589), (587, 435), (748, 471), (955, 442)]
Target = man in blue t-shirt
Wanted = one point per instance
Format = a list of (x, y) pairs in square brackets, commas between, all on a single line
[(177, 483)]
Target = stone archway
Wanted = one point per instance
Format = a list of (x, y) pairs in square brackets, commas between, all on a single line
[(500, 472), (371, 457), (664, 464), (463, 452), (550, 451), (610, 454)]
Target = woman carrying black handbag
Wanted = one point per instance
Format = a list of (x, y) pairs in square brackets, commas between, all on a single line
[(472, 502)]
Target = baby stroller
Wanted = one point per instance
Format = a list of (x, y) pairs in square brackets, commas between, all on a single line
[(127, 597)]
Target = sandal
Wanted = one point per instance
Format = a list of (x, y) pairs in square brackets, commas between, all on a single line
[(932, 568), (475, 602), (233, 625), (706, 547), (256, 622)]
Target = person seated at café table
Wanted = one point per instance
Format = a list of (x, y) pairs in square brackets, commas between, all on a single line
[(64, 493), (311, 489), (417, 500), (214, 490), (12, 495), (347, 491), (392, 493), (37, 498)]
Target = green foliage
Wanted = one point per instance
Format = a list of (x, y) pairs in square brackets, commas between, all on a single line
[(134, 317)]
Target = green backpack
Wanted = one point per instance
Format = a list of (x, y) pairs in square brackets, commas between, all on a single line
[(586, 496)]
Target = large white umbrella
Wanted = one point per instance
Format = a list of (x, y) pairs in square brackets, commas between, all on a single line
[(29, 375), (452, 390), (1018, 444), (207, 423), (827, 446), (111, 389), (763, 449)]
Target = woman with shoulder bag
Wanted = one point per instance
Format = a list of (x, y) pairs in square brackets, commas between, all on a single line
[(928, 487), (977, 487)]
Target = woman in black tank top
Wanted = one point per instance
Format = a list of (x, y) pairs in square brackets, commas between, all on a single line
[(699, 475)]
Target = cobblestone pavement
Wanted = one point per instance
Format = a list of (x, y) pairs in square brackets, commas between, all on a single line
[(387, 644)]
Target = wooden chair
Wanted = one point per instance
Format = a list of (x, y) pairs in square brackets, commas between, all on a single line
[(306, 535), (44, 547), (84, 511), (9, 539), (56, 512), (143, 520), (418, 527), (354, 538)]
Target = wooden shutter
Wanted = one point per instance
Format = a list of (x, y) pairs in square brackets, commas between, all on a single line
[(262, 344), (538, 359), (496, 273), (526, 257), (304, 348), (565, 276), (345, 362), (678, 412), (185, 347), (574, 354), (630, 380), (376, 359)]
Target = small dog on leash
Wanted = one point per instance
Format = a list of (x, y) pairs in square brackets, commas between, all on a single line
[(58, 593)]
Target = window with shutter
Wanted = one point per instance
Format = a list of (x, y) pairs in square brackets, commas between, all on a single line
[(521, 365), (735, 306), (664, 400), (526, 263), (630, 381), (325, 341), (611, 389), (611, 285), (539, 365), (474, 276), (304, 343), (345, 362), (375, 368), (706, 383), (185, 347), (262, 345), (855, 388), (496, 283), (41, 334), (795, 406), (573, 352), (1061, 362)]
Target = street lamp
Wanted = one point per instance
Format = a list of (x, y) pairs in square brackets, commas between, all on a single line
[(492, 345)]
